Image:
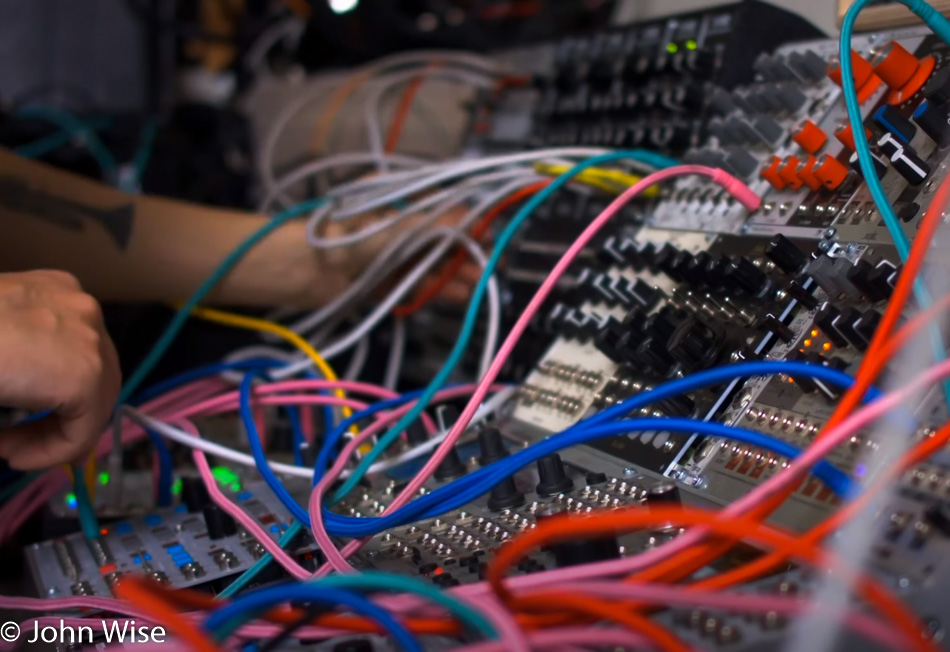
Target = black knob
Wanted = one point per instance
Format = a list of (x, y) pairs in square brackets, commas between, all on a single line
[(937, 89), (636, 321), (553, 479), (827, 320), (850, 318), (867, 325), (220, 524), (808, 65), (652, 354), (695, 345), (505, 495), (880, 165), (905, 160), (586, 551), (717, 271), (636, 67), (644, 294), (451, 466), (909, 211), (862, 276), (934, 119), (672, 135), (697, 271), (595, 286), (600, 74), (491, 445), (664, 258), (803, 296), (609, 339), (805, 384), (678, 406), (568, 77), (885, 276), (617, 251), (416, 433), (785, 254), (194, 494), (775, 326), (743, 274), (663, 494), (701, 62), (645, 257), (595, 478)]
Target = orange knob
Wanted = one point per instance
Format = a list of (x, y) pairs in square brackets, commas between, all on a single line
[(789, 172), (770, 173), (846, 137), (903, 73), (810, 136), (806, 172), (895, 65), (831, 172), (863, 70)]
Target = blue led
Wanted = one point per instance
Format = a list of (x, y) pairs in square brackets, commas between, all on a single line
[(244, 495), (275, 528), (137, 559), (123, 527), (175, 549), (148, 557), (181, 509), (153, 519)]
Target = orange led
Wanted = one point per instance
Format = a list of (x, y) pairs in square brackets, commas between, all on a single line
[(814, 333), (807, 342), (826, 346)]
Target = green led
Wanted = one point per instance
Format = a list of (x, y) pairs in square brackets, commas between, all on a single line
[(691, 44), (176, 486), (104, 477), (672, 48), (71, 501), (235, 486), (225, 476)]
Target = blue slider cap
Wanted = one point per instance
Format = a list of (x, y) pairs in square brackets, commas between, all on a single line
[(890, 119)]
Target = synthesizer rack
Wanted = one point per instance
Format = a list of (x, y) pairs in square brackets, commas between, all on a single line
[(683, 282)]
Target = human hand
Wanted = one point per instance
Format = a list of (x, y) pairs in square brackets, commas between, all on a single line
[(55, 355)]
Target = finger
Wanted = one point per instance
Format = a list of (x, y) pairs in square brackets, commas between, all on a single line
[(40, 445)]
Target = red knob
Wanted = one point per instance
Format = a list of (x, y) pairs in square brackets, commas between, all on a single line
[(789, 172), (770, 172), (810, 137), (903, 73)]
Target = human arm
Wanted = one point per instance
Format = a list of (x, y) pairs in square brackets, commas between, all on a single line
[(138, 248)]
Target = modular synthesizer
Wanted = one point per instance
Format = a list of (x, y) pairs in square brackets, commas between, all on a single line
[(681, 282)]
